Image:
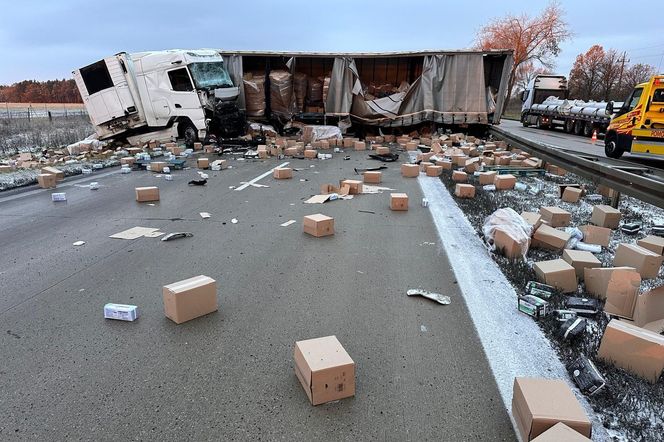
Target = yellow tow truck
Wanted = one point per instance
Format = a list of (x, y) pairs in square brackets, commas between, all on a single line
[(638, 126)]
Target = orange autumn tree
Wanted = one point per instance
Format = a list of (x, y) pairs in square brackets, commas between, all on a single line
[(533, 39)]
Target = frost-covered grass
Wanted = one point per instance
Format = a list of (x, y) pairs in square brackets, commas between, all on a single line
[(630, 407), (22, 134)]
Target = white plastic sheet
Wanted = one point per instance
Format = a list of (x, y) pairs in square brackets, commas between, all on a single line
[(512, 224)]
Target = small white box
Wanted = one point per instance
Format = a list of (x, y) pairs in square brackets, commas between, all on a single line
[(86, 171), (168, 177), (97, 166), (121, 312), (59, 196)]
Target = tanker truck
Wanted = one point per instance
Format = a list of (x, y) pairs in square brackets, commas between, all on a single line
[(546, 106)]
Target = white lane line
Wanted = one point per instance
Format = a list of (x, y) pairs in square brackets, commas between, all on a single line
[(260, 177), (513, 343)]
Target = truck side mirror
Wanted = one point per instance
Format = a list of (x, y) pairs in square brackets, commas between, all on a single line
[(609, 107), (522, 95)]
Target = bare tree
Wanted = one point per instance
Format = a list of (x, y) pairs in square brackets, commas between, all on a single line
[(533, 39), (609, 74), (586, 73)]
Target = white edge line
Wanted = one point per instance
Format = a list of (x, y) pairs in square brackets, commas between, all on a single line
[(260, 177)]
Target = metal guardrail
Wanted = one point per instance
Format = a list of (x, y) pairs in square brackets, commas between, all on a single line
[(632, 179)]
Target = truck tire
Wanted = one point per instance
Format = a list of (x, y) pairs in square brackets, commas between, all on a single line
[(588, 129), (611, 147), (578, 127), (569, 126), (189, 133), (524, 120), (539, 124)]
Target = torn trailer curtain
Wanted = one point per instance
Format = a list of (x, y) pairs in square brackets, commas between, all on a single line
[(233, 64), (451, 90)]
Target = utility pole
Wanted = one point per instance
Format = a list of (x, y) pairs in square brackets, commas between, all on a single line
[(622, 62)]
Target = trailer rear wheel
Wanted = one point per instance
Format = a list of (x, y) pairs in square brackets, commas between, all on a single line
[(569, 126), (611, 147), (578, 127), (539, 123), (588, 129)]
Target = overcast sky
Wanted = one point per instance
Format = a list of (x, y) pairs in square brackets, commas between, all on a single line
[(44, 39)]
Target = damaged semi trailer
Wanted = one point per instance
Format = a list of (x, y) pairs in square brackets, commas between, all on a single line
[(197, 93)]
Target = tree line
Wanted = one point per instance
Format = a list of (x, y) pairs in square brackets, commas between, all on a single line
[(31, 91)]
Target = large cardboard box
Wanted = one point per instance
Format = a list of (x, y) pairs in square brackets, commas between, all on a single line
[(561, 433), (46, 180), (310, 153), (572, 194), (410, 170), (411, 146), (546, 237), (505, 244), (318, 225), (157, 166), (539, 404), (555, 216), (434, 171), (382, 150), (532, 218), (128, 161), (424, 165), (504, 182), (282, 173), (359, 145), (459, 177), (325, 370), (557, 273), (464, 191), (649, 310), (487, 177), (634, 349), (580, 260), (203, 163), (354, 185), (618, 286), (189, 299), (372, 177), (59, 175), (645, 261), (147, 194), (348, 142), (605, 216), (653, 243), (596, 235), (398, 201)]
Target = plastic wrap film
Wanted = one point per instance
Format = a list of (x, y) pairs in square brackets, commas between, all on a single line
[(300, 82), (254, 94), (512, 224), (315, 90), (282, 98)]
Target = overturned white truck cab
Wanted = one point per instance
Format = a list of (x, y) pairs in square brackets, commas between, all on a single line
[(194, 93), (182, 93)]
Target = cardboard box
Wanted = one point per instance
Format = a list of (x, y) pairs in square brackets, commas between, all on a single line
[(318, 225), (121, 312), (546, 237), (555, 170), (325, 370), (649, 310), (572, 194), (459, 177), (177, 150), (446, 165), (310, 153), (504, 182), (354, 185), (262, 154), (157, 166), (359, 145), (372, 177), (653, 243), (410, 146), (203, 163), (645, 261), (434, 170), (532, 218), (398, 201), (46, 180), (605, 216), (580, 260), (382, 150), (198, 146), (282, 173), (290, 151), (561, 433), (128, 161), (487, 177), (606, 191), (326, 189), (557, 273), (348, 142), (634, 349), (539, 404), (619, 286), (555, 216), (59, 175), (506, 245), (596, 235), (424, 165), (147, 194), (189, 299), (410, 170), (459, 160), (464, 191)]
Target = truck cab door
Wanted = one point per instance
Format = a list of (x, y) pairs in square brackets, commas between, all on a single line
[(172, 94), (629, 115)]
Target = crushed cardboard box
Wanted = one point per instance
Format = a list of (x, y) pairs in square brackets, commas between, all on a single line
[(645, 261), (618, 286)]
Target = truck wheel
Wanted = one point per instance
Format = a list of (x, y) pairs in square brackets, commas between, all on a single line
[(569, 126), (189, 133), (578, 127), (538, 123), (524, 120), (611, 147), (588, 130)]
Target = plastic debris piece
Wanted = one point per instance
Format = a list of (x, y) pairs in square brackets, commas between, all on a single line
[(572, 328), (94, 185), (202, 182), (592, 248), (204, 215), (234, 221), (288, 223), (176, 235), (586, 376), (440, 299), (78, 243), (155, 234), (60, 196), (512, 224), (133, 233), (425, 202), (86, 171)]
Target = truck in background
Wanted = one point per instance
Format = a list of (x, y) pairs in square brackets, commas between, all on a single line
[(546, 105), (181, 93), (638, 123)]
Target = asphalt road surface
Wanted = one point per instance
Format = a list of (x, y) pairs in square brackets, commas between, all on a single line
[(67, 373), (556, 137)]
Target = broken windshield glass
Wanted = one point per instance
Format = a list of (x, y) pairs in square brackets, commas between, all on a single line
[(210, 75)]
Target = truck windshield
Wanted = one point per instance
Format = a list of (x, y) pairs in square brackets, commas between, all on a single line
[(210, 75)]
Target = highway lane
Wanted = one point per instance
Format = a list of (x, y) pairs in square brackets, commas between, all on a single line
[(66, 373)]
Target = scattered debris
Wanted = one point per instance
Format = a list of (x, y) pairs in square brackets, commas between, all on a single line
[(234, 221), (367, 211), (386, 157), (78, 243), (177, 235), (59, 196), (133, 233), (204, 215), (586, 376), (202, 182), (441, 299), (318, 199), (368, 169), (368, 189), (121, 312), (288, 223)]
